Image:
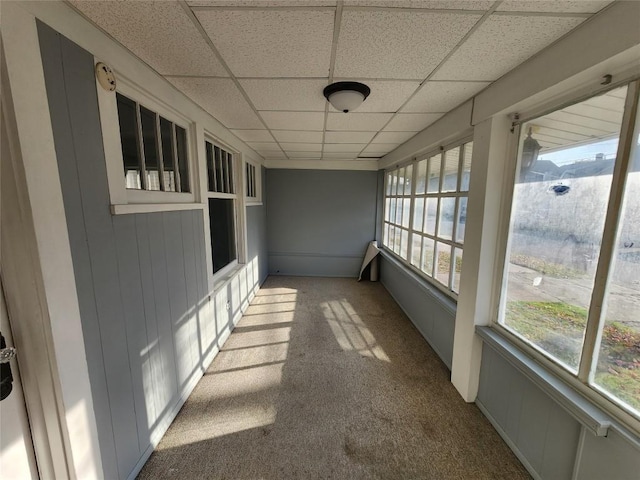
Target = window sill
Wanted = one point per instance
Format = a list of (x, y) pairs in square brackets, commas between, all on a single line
[(129, 208), (579, 407), (224, 276)]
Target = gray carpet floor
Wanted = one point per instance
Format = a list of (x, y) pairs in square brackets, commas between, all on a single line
[(327, 378)]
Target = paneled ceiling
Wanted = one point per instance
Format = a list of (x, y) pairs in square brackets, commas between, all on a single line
[(259, 66)]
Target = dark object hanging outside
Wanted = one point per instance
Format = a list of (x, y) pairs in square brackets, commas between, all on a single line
[(560, 189), (6, 379)]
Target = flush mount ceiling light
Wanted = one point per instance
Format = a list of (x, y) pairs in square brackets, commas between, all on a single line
[(346, 96)]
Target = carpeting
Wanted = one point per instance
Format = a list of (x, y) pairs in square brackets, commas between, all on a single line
[(327, 378)]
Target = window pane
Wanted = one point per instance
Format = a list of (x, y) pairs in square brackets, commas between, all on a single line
[(183, 161), (443, 263), (389, 182), (418, 214), (129, 138), (457, 270), (404, 243), (392, 238), (168, 162), (447, 211), (402, 180), (462, 219), (392, 210), (408, 184), (430, 218), (422, 177), (433, 185), (150, 144), (618, 366), (406, 212), (222, 224), (416, 250), (427, 256), (219, 172), (466, 166), (394, 182), (387, 209), (451, 166), (211, 173), (399, 210), (559, 205), (231, 181)]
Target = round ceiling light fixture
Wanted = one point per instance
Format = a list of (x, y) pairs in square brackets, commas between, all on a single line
[(346, 96)]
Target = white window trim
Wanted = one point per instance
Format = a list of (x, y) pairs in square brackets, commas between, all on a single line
[(597, 395), (126, 201), (221, 277), (457, 194)]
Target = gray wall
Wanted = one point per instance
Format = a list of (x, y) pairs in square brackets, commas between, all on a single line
[(150, 325), (431, 312), (257, 232), (320, 221), (543, 434)]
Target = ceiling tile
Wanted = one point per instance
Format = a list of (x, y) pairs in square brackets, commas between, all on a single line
[(411, 122), (254, 135), (393, 137), (272, 43), (279, 94), (267, 154), (293, 136), (397, 44), (379, 148), (262, 3), (221, 98), (293, 154), (294, 120), (160, 33), (338, 156), (344, 147), (437, 4), (386, 96), (348, 137), (357, 122), (302, 147), (265, 146), (515, 37), (575, 6), (442, 96)]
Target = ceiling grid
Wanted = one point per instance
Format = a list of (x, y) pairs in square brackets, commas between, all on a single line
[(259, 66)]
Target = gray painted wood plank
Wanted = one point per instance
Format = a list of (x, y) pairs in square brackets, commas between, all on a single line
[(158, 258), (534, 419), (191, 286), (131, 293), (560, 445), (63, 137), (177, 295), (150, 354), (83, 113)]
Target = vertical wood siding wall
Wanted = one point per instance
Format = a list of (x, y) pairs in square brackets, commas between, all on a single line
[(150, 325)]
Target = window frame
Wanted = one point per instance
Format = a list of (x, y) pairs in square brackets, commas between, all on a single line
[(220, 277), (582, 380), (257, 183), (456, 194), (123, 200)]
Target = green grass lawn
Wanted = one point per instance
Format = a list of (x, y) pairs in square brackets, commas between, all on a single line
[(559, 328)]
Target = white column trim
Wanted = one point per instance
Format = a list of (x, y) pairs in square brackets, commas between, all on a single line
[(35, 134)]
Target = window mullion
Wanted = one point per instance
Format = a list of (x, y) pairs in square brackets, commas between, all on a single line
[(174, 151), (595, 320), (160, 154), (143, 166), (412, 198)]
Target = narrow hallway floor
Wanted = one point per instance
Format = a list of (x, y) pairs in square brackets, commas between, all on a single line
[(328, 378)]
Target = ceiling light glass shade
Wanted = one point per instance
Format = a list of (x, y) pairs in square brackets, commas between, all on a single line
[(346, 96)]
